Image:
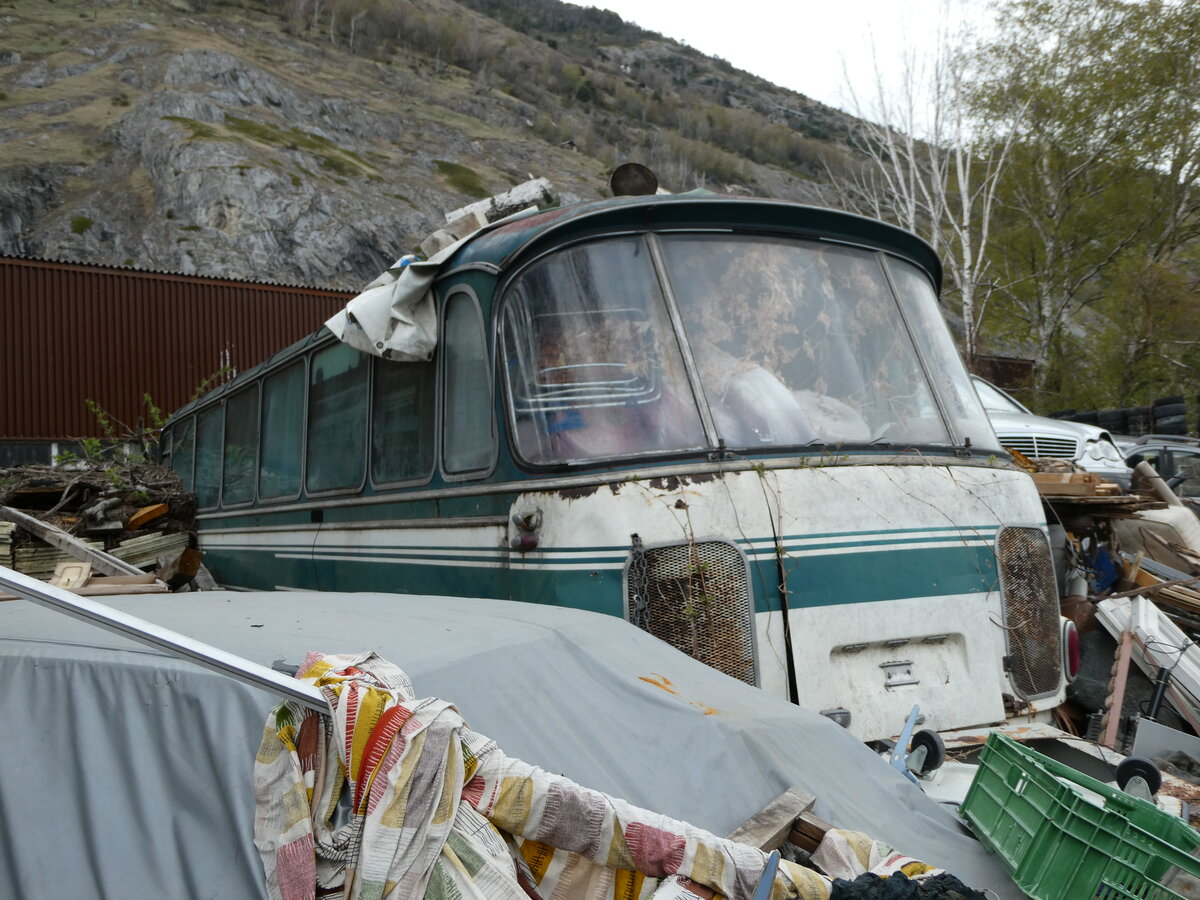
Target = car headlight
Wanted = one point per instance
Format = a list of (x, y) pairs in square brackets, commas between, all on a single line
[(1105, 451)]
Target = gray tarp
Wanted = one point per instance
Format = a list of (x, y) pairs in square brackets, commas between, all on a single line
[(126, 773), (395, 316)]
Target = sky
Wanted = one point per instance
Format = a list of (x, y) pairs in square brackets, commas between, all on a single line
[(809, 46)]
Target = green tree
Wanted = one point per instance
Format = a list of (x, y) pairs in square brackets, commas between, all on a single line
[(1101, 101)]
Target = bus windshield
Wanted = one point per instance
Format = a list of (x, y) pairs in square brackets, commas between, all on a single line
[(780, 343)]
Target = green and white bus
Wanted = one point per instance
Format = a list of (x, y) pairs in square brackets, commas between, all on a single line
[(740, 424)]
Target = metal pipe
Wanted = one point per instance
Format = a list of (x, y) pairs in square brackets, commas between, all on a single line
[(1157, 484), (172, 642)]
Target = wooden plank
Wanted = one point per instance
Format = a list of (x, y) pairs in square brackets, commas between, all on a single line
[(1116, 698), (142, 578), (1068, 478), (769, 827), (809, 831), (146, 514), (100, 589), (101, 561), (1067, 489), (1167, 587)]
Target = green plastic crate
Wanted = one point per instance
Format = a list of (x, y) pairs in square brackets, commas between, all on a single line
[(1061, 844)]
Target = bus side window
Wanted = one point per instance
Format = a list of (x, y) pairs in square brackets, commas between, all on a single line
[(183, 451), (468, 433), (402, 404), (241, 447), (282, 433), (210, 429), (337, 419)]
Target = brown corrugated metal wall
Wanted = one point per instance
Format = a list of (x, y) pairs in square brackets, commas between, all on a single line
[(71, 333)]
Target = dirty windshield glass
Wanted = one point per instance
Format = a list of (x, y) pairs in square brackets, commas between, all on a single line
[(795, 344), (799, 343), (594, 369)]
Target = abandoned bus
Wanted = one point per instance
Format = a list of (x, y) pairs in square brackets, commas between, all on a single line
[(740, 424)]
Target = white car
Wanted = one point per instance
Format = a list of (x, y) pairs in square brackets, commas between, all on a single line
[(1092, 449)]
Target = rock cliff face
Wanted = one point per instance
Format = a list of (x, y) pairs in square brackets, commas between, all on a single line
[(135, 134)]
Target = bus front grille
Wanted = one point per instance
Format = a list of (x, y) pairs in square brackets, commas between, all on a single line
[(696, 597), (1031, 617)]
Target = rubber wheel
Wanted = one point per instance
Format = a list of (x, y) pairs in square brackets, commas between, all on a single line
[(935, 749), (1174, 400), (1139, 765), (1169, 410), (1112, 419), (1171, 425)]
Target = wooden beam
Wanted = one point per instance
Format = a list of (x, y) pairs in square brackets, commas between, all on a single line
[(56, 537), (1116, 699), (768, 828), (146, 514), (809, 832)]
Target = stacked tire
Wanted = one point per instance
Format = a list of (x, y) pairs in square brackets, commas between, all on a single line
[(1138, 420), (1114, 420), (1170, 415)]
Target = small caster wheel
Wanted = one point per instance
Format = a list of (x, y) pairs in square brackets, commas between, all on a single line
[(1139, 767)]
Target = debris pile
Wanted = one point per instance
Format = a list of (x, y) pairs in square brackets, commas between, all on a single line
[(1130, 583), (100, 526)]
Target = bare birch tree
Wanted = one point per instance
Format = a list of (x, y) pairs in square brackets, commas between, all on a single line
[(931, 169)]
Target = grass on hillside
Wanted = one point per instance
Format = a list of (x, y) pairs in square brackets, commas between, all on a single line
[(464, 180)]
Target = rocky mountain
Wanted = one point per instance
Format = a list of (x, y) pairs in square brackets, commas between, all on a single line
[(315, 141)]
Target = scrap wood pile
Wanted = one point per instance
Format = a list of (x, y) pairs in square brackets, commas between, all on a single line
[(1061, 480), (1074, 484), (96, 527), (1151, 612), (1131, 585)]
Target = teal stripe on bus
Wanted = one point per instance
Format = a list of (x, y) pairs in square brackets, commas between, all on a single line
[(833, 580), (845, 578)]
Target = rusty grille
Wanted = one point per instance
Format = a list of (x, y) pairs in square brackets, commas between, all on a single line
[(696, 598), (1030, 611)]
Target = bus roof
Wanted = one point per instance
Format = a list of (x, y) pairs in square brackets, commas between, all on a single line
[(501, 244)]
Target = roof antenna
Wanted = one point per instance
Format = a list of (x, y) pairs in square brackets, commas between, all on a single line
[(632, 180)]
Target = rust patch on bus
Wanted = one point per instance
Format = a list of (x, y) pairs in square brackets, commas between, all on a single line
[(578, 493)]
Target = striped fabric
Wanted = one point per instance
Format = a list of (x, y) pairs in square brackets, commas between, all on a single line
[(436, 810)]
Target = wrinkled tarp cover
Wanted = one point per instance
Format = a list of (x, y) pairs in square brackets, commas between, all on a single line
[(394, 317), (125, 772)]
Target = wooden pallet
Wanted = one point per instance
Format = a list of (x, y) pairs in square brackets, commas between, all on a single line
[(1073, 484)]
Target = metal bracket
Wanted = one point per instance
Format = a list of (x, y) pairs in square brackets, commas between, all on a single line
[(898, 672)]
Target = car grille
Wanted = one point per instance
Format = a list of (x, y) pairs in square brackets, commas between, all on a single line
[(696, 597), (1031, 616), (1041, 445)]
